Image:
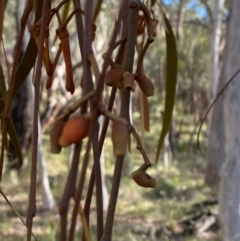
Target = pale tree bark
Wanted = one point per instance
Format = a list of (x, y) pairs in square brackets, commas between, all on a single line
[(229, 189), (215, 43), (215, 149), (48, 200), (102, 163), (180, 19)]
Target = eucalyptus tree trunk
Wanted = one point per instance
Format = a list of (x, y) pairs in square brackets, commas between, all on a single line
[(229, 189), (48, 200), (215, 149), (215, 43)]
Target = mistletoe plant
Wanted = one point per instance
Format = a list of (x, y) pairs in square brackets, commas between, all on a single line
[(80, 120)]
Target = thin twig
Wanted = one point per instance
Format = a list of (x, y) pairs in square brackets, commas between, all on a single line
[(15, 211), (140, 147), (211, 106), (124, 112), (32, 193)]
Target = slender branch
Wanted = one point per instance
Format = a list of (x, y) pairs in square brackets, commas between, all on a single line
[(93, 137), (32, 193), (15, 211), (71, 181), (124, 112), (140, 147), (142, 54), (78, 193), (95, 125), (211, 106), (75, 162)]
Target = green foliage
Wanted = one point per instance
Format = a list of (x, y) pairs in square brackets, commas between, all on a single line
[(171, 82)]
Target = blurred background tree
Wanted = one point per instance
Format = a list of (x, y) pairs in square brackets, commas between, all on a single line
[(181, 207)]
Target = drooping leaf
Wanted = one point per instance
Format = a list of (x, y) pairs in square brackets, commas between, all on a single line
[(171, 82), (2, 82), (153, 2), (25, 65), (10, 127), (65, 11), (3, 92), (29, 56), (14, 140), (97, 10)]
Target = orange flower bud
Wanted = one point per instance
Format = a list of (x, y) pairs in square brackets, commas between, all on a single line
[(145, 84), (119, 137), (74, 130)]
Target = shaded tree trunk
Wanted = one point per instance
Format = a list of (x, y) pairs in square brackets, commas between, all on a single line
[(229, 189)]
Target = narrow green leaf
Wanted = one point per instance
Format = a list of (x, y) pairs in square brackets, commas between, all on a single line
[(14, 140), (2, 90), (30, 55), (10, 127), (171, 82), (2, 82), (25, 65), (97, 10), (145, 113), (153, 2), (65, 11)]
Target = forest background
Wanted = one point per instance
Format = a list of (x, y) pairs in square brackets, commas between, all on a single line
[(184, 204)]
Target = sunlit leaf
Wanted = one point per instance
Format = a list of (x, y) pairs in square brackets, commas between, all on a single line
[(171, 81)]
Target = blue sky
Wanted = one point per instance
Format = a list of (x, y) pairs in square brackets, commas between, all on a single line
[(192, 4)]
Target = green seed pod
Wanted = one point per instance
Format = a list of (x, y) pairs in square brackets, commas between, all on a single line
[(116, 74), (55, 135), (119, 137), (128, 81), (143, 179), (145, 84)]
